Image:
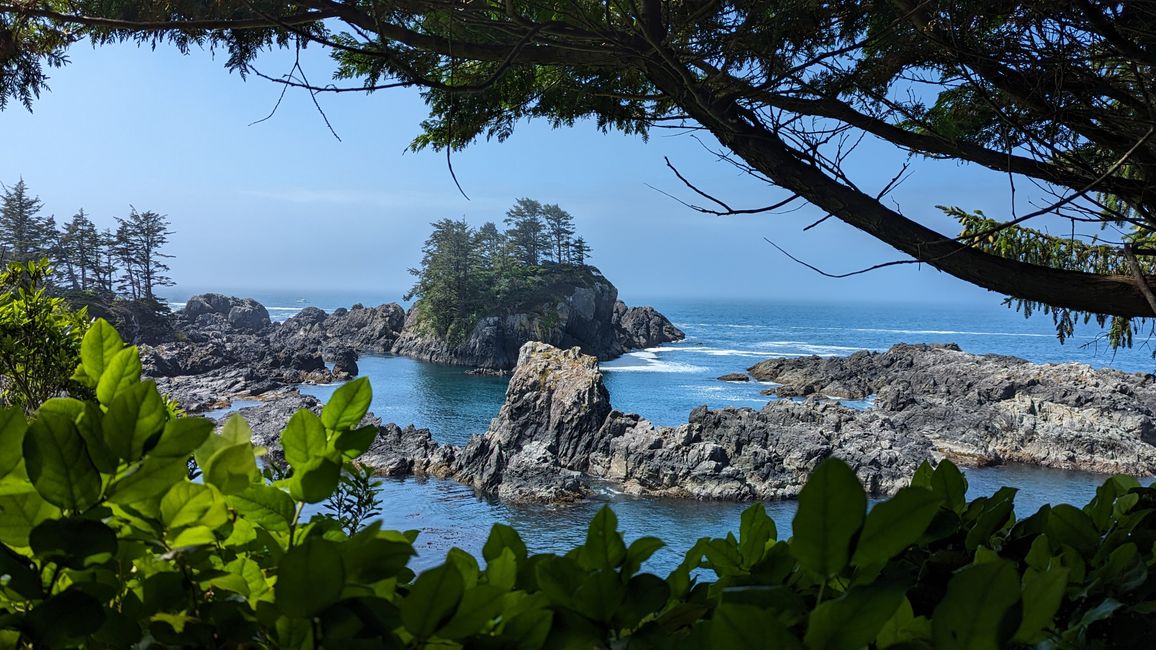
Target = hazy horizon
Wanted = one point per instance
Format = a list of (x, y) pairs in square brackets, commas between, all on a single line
[(282, 205)]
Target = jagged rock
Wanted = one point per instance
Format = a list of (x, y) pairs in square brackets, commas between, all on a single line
[(214, 311), (557, 431), (364, 330), (543, 435), (735, 376), (400, 452), (344, 362)]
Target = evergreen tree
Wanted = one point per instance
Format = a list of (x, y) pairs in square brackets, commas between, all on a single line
[(579, 251), (448, 285), (138, 243), (559, 229), (79, 253), (106, 259), (527, 231), (24, 235), (491, 245)]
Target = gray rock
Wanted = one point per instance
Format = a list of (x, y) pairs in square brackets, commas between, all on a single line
[(735, 376)]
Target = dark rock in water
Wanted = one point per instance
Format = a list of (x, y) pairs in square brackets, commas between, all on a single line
[(401, 452), (344, 362), (214, 311), (573, 308), (365, 330), (643, 327), (557, 431), (488, 372), (542, 438), (735, 376)]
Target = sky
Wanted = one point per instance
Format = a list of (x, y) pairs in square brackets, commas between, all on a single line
[(283, 205)]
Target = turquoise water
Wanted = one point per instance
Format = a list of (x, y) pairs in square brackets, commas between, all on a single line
[(666, 382)]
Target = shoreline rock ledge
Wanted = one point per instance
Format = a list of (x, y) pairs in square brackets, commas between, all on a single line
[(557, 435)]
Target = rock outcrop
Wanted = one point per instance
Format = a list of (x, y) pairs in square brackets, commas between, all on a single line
[(573, 308), (228, 348), (557, 432), (992, 409)]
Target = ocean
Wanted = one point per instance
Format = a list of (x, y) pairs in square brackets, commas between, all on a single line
[(664, 383)]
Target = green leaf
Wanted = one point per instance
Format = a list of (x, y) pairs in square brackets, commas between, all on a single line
[(22, 575), (148, 480), (348, 405), (432, 600), (1070, 525), (949, 483), (316, 483), (1043, 591), (979, 609), (599, 595), (604, 546), (479, 605), (922, 476), (895, 524), (59, 465), (72, 542), (12, 429), (755, 530), (100, 344), (558, 578), (854, 619), (20, 513), (232, 469), (640, 551), (646, 594), (502, 571), (182, 436), (745, 626), (354, 443), (905, 629), (88, 419), (135, 415), (121, 372), (502, 536), (304, 440), (264, 505), (996, 513), (192, 504), (310, 577), (832, 506)]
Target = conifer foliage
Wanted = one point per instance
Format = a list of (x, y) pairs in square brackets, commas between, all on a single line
[(127, 262), (467, 272)]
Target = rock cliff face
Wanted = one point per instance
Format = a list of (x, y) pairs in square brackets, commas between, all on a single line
[(574, 309), (557, 431)]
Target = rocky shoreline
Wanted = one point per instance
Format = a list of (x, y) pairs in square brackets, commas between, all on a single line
[(557, 434), (227, 348)]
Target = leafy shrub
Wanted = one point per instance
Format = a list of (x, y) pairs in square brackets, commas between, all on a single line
[(39, 336), (107, 542)]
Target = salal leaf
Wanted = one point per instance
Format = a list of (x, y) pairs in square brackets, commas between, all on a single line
[(950, 484), (122, 371), (348, 405), (182, 436), (304, 440), (148, 480), (58, 463), (100, 344), (20, 513), (264, 505), (854, 619), (310, 577), (189, 504), (13, 425), (895, 524), (831, 509), (756, 528), (746, 626), (604, 547), (432, 600), (1043, 592), (73, 542), (136, 415), (503, 537), (980, 607)]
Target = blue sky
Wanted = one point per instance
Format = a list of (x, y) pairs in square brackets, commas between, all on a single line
[(283, 205)]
